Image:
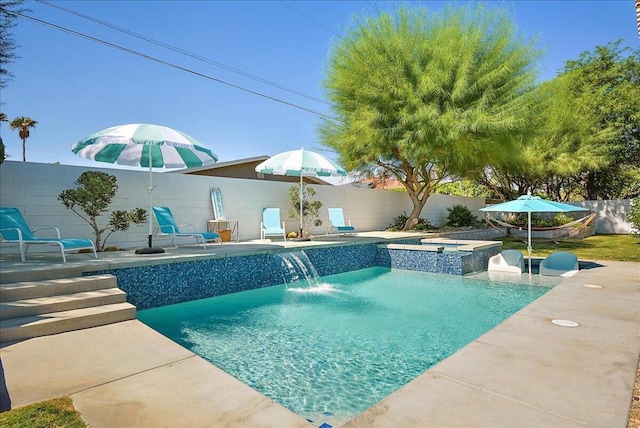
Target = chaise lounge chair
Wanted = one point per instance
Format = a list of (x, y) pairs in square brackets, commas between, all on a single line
[(507, 261), (560, 264), (167, 226), (338, 226), (270, 225), (15, 230)]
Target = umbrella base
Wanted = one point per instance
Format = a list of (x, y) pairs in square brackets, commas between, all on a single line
[(150, 250), (303, 238)]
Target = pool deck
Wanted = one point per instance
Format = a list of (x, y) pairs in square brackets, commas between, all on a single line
[(525, 372)]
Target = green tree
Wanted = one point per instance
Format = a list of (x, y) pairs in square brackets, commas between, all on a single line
[(22, 124), (566, 139), (9, 10), (428, 96), (310, 208), (92, 199), (606, 81)]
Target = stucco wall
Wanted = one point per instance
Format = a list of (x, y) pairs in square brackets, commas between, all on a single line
[(34, 187), (611, 215)]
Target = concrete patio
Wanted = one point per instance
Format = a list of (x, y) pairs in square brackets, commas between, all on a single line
[(527, 371)]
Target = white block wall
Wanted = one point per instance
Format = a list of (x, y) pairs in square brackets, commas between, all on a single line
[(34, 187)]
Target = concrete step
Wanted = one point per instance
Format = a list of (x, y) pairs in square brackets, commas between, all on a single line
[(59, 303), (37, 273), (54, 287), (59, 322)]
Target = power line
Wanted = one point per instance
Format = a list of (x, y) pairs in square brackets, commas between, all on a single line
[(309, 18), (184, 52), (170, 64)]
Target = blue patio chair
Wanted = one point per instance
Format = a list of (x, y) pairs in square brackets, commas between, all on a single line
[(561, 263), (507, 261), (338, 226), (15, 230), (271, 225), (167, 226)]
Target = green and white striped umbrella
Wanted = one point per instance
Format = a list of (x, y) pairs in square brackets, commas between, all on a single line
[(136, 143), (148, 146), (300, 163)]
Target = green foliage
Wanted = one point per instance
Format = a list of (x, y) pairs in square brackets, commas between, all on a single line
[(92, 199), (464, 187), (424, 96), (58, 412), (400, 222), (634, 217), (9, 10), (606, 82), (460, 216), (540, 221), (310, 208)]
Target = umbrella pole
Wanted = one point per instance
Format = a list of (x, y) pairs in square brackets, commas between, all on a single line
[(529, 238), (301, 226), (150, 249)]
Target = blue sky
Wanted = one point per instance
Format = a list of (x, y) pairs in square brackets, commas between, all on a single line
[(74, 87)]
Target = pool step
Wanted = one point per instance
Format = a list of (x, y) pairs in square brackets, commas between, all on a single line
[(38, 308)]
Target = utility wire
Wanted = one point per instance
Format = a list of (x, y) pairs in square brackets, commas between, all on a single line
[(178, 67), (184, 52), (309, 18)]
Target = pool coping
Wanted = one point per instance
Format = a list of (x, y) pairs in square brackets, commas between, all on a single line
[(562, 371)]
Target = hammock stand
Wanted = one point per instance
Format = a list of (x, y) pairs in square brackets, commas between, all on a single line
[(585, 224)]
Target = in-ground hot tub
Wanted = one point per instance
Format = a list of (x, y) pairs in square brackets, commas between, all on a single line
[(440, 255)]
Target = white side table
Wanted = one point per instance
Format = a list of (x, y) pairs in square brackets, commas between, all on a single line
[(218, 225)]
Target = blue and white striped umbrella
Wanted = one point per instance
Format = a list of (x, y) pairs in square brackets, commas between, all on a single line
[(148, 146), (300, 163)]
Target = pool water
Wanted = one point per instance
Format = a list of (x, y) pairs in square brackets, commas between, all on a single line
[(331, 351)]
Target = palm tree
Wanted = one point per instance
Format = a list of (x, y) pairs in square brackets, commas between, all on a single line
[(22, 124)]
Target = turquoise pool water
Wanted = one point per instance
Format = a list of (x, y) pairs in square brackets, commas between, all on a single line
[(333, 350)]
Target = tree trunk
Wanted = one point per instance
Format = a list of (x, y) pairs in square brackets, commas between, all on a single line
[(24, 150), (418, 204)]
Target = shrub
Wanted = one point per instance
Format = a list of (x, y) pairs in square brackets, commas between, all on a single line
[(460, 216), (634, 217), (92, 198), (310, 208), (401, 220)]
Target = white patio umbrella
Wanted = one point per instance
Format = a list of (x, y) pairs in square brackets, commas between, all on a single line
[(300, 163), (531, 204), (145, 145)]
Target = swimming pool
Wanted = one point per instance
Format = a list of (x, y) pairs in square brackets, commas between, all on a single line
[(331, 351)]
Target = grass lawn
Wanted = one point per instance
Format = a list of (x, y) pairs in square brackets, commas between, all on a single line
[(56, 413), (624, 248)]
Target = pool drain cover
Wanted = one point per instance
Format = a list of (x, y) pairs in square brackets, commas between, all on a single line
[(565, 323)]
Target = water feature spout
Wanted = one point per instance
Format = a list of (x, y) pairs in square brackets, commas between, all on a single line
[(298, 270)]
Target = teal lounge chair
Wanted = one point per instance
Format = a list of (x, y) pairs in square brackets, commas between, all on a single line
[(338, 226), (270, 225), (167, 226), (15, 230), (561, 263)]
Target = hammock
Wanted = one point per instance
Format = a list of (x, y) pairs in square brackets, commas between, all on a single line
[(569, 230)]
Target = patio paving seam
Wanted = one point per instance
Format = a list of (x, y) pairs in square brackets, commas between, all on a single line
[(506, 397)]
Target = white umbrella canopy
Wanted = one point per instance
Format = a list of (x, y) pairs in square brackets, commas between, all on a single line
[(146, 145), (531, 204), (300, 163)]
